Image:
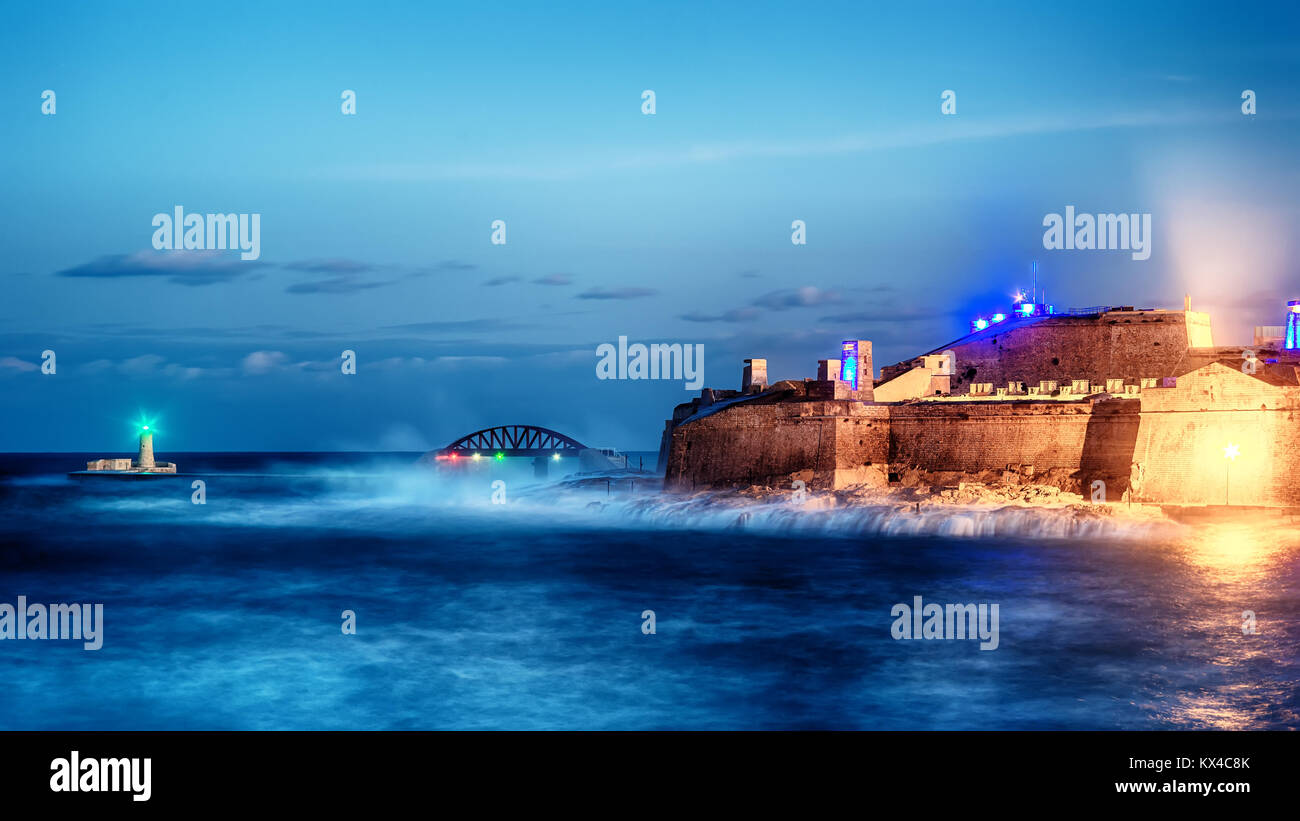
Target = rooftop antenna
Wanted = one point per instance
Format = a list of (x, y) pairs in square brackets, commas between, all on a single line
[(1035, 282)]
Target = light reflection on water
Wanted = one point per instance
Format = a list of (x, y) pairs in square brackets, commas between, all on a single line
[(1242, 569), (1240, 552)]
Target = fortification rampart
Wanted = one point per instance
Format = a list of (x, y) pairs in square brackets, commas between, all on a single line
[(1166, 445), (1112, 345), (1219, 437), (1047, 441), (774, 444), (1145, 405)]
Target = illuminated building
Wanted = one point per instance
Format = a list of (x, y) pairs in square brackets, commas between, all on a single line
[(849, 363), (856, 369), (1140, 400)]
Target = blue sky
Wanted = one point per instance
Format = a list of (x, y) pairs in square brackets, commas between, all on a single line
[(375, 228)]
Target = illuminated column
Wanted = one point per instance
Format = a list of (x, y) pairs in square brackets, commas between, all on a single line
[(1293, 324), (856, 367), (144, 459), (754, 379)]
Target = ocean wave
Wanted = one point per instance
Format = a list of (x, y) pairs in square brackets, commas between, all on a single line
[(832, 516), (415, 499)]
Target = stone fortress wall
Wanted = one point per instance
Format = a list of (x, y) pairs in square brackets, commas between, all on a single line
[(1121, 344), (1160, 438)]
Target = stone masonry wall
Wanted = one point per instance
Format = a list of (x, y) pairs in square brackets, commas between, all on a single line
[(1165, 446), (1184, 430), (1118, 344), (974, 437), (767, 444)]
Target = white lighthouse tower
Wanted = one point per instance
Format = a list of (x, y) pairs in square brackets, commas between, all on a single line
[(144, 459)]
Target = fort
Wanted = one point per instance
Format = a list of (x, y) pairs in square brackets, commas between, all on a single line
[(1138, 402)]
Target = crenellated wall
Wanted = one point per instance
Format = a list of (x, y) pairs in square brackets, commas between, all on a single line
[(1166, 445), (1158, 444), (1112, 345)]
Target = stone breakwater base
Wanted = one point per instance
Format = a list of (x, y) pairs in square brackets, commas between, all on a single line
[(1164, 445)]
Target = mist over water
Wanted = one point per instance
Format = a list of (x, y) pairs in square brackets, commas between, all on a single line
[(527, 614)]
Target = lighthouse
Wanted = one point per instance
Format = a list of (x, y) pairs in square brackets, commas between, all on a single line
[(143, 464), (144, 459)]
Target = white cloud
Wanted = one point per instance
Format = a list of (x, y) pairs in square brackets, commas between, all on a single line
[(16, 364), (141, 365), (260, 362)]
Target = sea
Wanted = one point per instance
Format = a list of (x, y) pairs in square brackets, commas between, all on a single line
[(369, 591)]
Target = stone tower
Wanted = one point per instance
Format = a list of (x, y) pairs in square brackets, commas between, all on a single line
[(856, 367), (754, 379), (144, 459)]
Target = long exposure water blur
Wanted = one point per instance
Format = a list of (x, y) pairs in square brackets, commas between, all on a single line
[(529, 614)]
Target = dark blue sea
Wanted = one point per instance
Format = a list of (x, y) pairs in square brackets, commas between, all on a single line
[(526, 612)]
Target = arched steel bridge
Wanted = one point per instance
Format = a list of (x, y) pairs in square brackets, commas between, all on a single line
[(514, 440)]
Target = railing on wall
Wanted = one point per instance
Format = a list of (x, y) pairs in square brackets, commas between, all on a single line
[(1096, 309)]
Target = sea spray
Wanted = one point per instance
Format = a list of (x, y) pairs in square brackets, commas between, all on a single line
[(721, 509), (528, 615)]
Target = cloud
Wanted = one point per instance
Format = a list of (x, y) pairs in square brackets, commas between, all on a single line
[(345, 276), (616, 293), (457, 326), (97, 366), (16, 364), (456, 265), (141, 365), (734, 315), (492, 283), (888, 315), (337, 265), (180, 267), (336, 285), (447, 265), (120, 330), (344, 267), (261, 362), (174, 371), (554, 279), (145, 366), (342, 275), (805, 297), (472, 360)]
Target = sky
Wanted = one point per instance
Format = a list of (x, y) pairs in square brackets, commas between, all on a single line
[(672, 227)]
